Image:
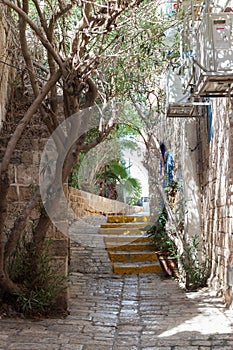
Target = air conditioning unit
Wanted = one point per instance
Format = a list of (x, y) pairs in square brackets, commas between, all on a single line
[(214, 55), (178, 103)]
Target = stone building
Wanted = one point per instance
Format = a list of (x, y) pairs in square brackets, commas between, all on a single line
[(203, 160), (201, 140)]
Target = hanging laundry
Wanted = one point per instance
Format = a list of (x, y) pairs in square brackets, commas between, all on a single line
[(169, 168), (209, 122), (162, 161)]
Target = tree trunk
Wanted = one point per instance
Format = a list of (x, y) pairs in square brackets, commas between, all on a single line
[(6, 284), (4, 186)]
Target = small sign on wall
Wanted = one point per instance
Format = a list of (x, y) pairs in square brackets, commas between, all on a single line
[(221, 34)]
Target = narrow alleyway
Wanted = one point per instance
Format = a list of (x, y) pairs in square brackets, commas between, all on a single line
[(122, 312)]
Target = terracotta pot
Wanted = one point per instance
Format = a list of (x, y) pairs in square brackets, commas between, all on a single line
[(168, 264)]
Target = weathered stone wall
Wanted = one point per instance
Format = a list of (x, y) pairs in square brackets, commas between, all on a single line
[(24, 180), (217, 190), (205, 168), (85, 203), (180, 137)]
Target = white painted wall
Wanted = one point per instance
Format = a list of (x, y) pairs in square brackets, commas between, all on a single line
[(137, 169)]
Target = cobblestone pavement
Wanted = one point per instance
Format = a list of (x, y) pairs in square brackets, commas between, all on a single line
[(131, 312)]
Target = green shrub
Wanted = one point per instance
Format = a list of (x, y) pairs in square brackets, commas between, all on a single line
[(39, 280), (196, 273), (162, 241)]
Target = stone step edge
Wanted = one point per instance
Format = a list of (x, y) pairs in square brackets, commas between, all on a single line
[(127, 218), (133, 257), (130, 239), (121, 231), (136, 268), (136, 247), (124, 225), (133, 252), (130, 246)]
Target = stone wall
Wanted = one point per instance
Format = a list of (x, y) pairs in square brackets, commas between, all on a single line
[(85, 203), (180, 137), (24, 167), (217, 194), (24, 180), (204, 167)]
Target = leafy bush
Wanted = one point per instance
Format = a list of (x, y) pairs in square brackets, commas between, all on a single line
[(39, 280), (162, 241), (196, 273)]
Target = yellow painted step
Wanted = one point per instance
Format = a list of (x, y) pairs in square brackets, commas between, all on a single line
[(124, 225), (122, 231), (130, 247), (130, 257), (126, 239), (133, 268), (127, 218)]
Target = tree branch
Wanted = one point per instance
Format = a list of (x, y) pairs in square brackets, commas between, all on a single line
[(19, 224), (25, 51), (36, 29), (4, 186), (26, 119), (41, 17)]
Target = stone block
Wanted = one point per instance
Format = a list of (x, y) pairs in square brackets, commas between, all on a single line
[(14, 209), (25, 193), (39, 144), (58, 248), (50, 232), (36, 158), (16, 158), (26, 175), (27, 157), (72, 198), (13, 194)]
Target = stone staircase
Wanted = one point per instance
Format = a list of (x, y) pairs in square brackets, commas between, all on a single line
[(129, 249)]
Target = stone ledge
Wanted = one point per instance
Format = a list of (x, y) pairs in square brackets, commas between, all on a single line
[(84, 203)]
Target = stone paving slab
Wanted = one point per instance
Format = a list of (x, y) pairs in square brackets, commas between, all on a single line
[(129, 312)]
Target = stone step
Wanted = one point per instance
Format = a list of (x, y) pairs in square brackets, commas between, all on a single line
[(124, 225), (127, 218), (132, 256), (122, 231), (130, 247), (123, 268), (128, 239)]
